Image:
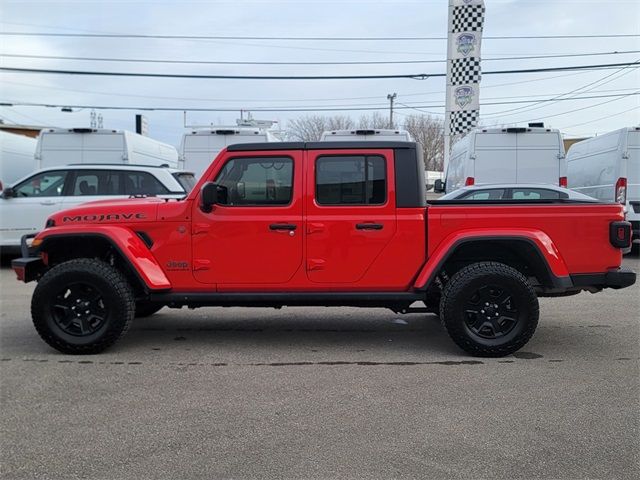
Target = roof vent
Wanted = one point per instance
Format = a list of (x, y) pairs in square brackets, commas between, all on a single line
[(536, 125)]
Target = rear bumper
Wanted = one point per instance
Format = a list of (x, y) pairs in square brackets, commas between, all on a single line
[(619, 278)]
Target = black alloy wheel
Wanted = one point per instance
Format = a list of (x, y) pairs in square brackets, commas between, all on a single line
[(79, 309), (489, 309)]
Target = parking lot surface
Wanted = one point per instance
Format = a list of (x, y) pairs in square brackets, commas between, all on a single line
[(324, 393)]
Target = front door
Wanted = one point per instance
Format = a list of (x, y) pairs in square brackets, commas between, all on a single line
[(350, 212), (34, 200), (256, 236)]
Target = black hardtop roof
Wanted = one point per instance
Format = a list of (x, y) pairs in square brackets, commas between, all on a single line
[(249, 147)]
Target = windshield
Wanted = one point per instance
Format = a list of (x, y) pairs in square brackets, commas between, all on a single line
[(186, 179)]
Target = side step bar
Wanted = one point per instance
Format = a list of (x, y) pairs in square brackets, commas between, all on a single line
[(269, 299)]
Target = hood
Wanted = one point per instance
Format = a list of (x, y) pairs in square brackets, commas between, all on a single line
[(109, 211)]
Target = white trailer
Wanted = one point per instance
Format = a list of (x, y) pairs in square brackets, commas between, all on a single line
[(378, 135), (16, 157), (507, 155), (62, 146), (607, 167)]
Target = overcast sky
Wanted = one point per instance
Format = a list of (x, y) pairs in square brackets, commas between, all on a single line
[(326, 18)]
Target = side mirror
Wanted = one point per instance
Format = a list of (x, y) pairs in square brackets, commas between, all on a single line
[(212, 194), (438, 186), (8, 193)]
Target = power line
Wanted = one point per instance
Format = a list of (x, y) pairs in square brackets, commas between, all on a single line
[(603, 118), (412, 76), (314, 39), (297, 109), (582, 89), (111, 94), (579, 109), (363, 62)]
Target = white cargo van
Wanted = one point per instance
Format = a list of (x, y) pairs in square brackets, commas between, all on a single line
[(607, 167), (199, 147), (62, 146), (16, 157), (378, 135), (507, 155)]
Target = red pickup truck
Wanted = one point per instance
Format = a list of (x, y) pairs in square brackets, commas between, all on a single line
[(319, 224)]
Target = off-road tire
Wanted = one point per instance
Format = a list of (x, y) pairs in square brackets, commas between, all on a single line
[(115, 295), (459, 321), (146, 309)]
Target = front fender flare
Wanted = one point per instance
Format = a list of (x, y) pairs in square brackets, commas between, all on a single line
[(126, 242), (545, 247)]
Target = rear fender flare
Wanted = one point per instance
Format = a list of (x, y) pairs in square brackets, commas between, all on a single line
[(558, 273), (131, 247)]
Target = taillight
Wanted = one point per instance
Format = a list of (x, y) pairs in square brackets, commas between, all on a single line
[(469, 181), (621, 190), (620, 234), (563, 182)]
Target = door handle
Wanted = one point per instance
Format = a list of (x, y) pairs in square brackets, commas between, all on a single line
[(48, 202), (369, 226), (282, 226)]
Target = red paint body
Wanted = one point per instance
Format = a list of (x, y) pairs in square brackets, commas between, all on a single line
[(232, 249)]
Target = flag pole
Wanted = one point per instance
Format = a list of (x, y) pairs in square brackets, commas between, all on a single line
[(447, 109)]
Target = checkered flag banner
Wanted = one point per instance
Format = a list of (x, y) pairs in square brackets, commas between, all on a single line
[(466, 20), (462, 122)]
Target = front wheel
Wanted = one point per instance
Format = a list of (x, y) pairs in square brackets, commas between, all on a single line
[(489, 309), (82, 306)]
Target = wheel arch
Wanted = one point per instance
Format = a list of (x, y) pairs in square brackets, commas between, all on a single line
[(130, 252), (533, 255)]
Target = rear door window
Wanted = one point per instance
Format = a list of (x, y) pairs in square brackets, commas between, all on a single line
[(536, 194), (142, 183), (351, 180), (96, 182)]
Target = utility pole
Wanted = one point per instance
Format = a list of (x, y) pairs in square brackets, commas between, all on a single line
[(391, 98)]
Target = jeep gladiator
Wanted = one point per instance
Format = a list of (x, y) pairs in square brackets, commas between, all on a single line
[(319, 224)]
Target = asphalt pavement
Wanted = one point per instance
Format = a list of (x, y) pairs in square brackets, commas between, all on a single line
[(324, 393)]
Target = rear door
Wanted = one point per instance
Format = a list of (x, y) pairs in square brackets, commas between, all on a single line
[(495, 158), (538, 158), (350, 212)]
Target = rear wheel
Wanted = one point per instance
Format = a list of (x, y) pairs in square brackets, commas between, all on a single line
[(489, 309), (82, 306)]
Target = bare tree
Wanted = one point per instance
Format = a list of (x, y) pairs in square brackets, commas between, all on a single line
[(310, 127), (428, 131), (375, 120)]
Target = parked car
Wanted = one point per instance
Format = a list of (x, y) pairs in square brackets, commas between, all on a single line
[(376, 135), (316, 224), (25, 206), (607, 167), (16, 157), (61, 146), (522, 192), (199, 147), (506, 155)]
